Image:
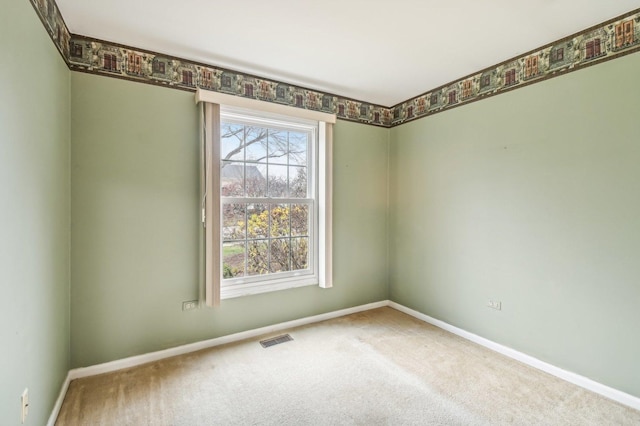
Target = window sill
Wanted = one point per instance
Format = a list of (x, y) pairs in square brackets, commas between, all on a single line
[(248, 289)]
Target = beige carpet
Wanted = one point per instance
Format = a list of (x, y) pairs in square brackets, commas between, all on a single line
[(379, 367)]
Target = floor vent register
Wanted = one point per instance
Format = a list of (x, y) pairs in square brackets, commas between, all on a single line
[(275, 340)]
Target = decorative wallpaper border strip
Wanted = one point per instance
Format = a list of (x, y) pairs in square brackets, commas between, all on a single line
[(115, 60), (49, 14), (609, 40), (612, 39)]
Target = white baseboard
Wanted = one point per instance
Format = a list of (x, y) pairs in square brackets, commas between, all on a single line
[(56, 408), (576, 379), (606, 391), (205, 344)]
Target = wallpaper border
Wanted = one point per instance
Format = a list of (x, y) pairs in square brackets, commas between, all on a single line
[(612, 39), (96, 56), (594, 45), (51, 18)]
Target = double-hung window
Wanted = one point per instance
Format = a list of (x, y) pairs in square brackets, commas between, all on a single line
[(267, 209), (268, 200)]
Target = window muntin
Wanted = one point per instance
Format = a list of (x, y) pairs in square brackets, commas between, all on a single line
[(321, 183), (268, 201)]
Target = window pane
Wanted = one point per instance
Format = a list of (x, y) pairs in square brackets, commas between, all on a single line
[(299, 220), (232, 141), (256, 182), (256, 144), (299, 253), (257, 257), (298, 148), (257, 220), (279, 220), (265, 162), (232, 179), (277, 181), (280, 255), (233, 222), (233, 255), (298, 182), (278, 146)]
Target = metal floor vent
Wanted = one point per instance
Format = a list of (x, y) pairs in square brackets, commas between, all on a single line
[(275, 340)]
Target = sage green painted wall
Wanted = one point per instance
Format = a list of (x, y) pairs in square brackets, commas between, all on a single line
[(531, 198), (34, 215), (135, 225)]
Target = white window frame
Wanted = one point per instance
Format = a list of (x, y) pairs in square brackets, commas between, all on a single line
[(212, 206), (240, 286)]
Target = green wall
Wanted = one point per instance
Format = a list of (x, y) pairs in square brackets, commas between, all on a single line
[(34, 215), (531, 198), (135, 225)]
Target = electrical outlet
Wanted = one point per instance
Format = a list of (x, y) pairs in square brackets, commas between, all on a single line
[(494, 304), (25, 405), (190, 305)]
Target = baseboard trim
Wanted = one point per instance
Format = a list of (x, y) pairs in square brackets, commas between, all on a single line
[(56, 408), (205, 344), (576, 379)]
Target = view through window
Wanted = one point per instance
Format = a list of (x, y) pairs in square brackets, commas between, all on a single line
[(269, 209)]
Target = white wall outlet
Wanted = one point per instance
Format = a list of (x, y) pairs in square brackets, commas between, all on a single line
[(190, 305), (495, 304), (25, 405)]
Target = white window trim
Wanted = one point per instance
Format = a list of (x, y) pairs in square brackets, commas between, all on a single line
[(212, 205), (325, 204), (246, 285)]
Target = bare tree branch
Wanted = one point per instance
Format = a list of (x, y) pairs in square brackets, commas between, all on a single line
[(281, 143)]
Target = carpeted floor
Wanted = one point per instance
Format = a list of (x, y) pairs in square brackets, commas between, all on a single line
[(379, 367)]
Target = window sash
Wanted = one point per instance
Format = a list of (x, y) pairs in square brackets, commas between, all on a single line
[(309, 274), (264, 121), (212, 202)]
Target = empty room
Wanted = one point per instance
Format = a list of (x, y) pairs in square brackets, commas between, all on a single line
[(307, 213)]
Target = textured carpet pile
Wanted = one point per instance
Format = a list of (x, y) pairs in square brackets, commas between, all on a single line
[(379, 367)]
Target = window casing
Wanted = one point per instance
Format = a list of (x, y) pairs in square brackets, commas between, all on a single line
[(318, 269)]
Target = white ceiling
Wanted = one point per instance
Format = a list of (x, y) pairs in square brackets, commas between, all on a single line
[(383, 52)]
